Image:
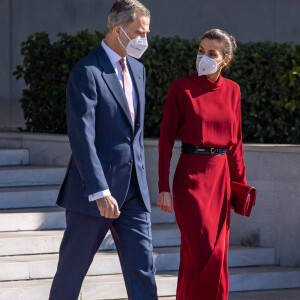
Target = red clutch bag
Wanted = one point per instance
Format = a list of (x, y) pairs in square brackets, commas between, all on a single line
[(243, 198)]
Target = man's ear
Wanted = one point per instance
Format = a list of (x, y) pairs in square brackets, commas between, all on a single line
[(117, 30)]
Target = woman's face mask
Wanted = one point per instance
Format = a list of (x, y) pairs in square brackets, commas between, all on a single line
[(136, 47), (206, 65)]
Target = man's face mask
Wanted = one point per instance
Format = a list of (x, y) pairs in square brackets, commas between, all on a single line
[(135, 47)]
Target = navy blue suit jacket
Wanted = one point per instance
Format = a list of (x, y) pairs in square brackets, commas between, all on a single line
[(103, 142)]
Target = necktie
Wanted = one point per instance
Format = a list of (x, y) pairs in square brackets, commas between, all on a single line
[(127, 85)]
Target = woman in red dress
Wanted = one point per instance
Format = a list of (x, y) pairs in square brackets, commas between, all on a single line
[(203, 111)]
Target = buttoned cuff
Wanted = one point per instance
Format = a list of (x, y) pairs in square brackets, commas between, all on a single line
[(98, 195)]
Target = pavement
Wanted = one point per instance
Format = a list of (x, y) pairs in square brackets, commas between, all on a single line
[(287, 294)]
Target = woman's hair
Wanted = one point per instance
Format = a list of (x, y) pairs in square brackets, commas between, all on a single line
[(226, 40), (124, 12)]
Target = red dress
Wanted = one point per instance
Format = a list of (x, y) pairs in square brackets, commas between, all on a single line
[(202, 112)]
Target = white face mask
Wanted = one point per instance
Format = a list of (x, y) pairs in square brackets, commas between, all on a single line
[(206, 65), (135, 47)]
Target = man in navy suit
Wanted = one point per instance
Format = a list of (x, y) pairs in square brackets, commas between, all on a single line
[(105, 187)]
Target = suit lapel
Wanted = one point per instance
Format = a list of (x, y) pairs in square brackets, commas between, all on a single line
[(112, 81), (136, 73)]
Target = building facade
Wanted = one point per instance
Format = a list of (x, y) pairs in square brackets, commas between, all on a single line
[(247, 20)]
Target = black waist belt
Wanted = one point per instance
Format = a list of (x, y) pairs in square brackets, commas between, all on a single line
[(191, 149)]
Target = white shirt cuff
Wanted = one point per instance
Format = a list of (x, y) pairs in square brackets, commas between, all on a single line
[(98, 195)]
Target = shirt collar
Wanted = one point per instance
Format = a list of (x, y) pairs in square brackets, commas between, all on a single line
[(112, 55)]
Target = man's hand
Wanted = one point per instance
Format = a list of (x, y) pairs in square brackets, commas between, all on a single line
[(108, 207), (165, 202)]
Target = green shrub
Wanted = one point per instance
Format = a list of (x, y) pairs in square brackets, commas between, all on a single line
[(45, 69), (268, 74)]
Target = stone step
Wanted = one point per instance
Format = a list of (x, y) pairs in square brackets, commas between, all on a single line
[(32, 219), (112, 286), (49, 218), (28, 196), (279, 294), (263, 278), (44, 266), (164, 235), (242, 256), (31, 176), (106, 262), (48, 241), (14, 157), (94, 287), (45, 196)]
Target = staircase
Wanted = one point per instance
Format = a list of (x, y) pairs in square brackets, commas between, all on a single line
[(31, 228)]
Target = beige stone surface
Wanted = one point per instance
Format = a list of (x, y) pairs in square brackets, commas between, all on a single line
[(273, 169)]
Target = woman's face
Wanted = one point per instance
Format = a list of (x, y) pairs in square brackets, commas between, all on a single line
[(212, 49)]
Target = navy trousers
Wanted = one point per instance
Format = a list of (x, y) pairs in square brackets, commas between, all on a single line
[(133, 238)]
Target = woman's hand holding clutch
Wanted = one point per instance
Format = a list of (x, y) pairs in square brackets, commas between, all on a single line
[(165, 202)]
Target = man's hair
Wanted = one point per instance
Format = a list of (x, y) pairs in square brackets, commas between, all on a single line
[(124, 12)]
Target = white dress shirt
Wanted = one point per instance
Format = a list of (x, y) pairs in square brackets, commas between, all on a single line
[(114, 59)]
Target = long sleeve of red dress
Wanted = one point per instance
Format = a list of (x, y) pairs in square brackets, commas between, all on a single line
[(167, 138), (235, 152)]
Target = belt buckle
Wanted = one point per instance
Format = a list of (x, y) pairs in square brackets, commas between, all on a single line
[(212, 150)]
